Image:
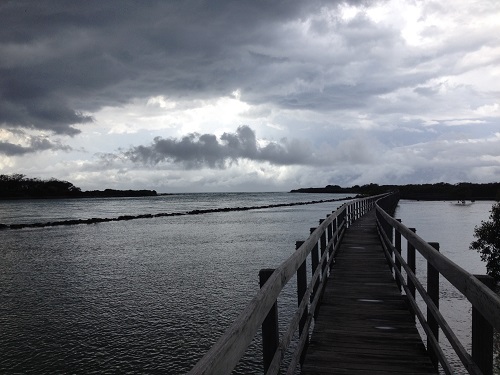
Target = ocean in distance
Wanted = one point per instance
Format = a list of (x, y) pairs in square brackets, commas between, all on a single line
[(152, 295)]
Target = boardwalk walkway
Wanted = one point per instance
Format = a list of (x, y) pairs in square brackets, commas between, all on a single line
[(364, 326)]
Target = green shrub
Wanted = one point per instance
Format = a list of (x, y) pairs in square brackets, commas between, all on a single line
[(487, 242)]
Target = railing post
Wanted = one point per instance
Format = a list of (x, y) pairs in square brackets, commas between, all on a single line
[(331, 227), (335, 237), (410, 259), (348, 215), (314, 265), (270, 328), (397, 245), (322, 242), (433, 292), (482, 334), (384, 226), (388, 231), (336, 229), (301, 291)]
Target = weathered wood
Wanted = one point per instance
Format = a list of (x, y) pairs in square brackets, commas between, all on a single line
[(411, 260), (433, 292), (397, 244), (301, 290), (364, 325), (223, 356), (415, 309), (270, 328), (484, 299), (433, 312), (482, 334), (314, 264), (230, 347)]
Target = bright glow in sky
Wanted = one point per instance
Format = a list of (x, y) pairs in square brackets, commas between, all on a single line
[(250, 96)]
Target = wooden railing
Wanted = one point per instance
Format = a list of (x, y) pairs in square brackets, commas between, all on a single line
[(485, 303), (321, 247)]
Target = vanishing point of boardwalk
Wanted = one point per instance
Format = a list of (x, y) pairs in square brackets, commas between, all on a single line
[(362, 320), (364, 325)]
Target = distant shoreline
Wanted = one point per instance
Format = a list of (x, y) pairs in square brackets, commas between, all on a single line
[(428, 192), (18, 186), (108, 193)]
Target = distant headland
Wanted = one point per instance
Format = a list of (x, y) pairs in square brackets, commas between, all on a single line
[(438, 191), (18, 186)]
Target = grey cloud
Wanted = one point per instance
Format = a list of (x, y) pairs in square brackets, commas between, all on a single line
[(198, 151), (60, 60), (36, 144)]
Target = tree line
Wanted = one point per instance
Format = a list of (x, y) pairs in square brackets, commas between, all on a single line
[(437, 191), (18, 186)]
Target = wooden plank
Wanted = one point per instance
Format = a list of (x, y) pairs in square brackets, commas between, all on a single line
[(364, 326)]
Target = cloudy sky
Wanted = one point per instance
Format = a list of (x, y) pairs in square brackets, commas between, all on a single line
[(250, 95)]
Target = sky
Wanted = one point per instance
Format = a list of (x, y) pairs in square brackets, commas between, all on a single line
[(250, 95)]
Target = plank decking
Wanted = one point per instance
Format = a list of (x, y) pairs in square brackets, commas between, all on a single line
[(363, 326)]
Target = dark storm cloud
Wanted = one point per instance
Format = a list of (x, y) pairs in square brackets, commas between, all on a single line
[(36, 144), (60, 61), (205, 150)]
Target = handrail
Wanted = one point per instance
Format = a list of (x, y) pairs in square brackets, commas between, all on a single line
[(483, 299), (224, 355)]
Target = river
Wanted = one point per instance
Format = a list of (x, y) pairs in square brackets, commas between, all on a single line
[(152, 295)]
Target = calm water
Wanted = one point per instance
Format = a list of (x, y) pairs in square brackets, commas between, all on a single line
[(152, 295), (452, 226), (141, 296)]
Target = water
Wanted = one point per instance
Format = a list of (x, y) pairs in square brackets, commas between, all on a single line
[(141, 296), (152, 295), (452, 226)]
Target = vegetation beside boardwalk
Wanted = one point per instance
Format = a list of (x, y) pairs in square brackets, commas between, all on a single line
[(487, 242)]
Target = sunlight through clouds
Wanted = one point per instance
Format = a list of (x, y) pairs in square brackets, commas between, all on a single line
[(353, 92)]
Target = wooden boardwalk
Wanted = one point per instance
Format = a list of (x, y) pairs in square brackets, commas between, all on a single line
[(364, 326)]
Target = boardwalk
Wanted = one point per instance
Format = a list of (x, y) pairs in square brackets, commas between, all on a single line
[(364, 326)]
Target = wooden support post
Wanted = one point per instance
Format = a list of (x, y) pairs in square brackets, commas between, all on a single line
[(331, 229), (388, 231), (335, 236), (410, 259), (322, 242), (301, 291), (347, 215), (314, 265), (336, 229), (330, 236), (270, 328), (482, 334), (322, 245), (397, 245), (433, 292)]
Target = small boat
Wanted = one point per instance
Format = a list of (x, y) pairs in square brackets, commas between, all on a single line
[(462, 202)]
